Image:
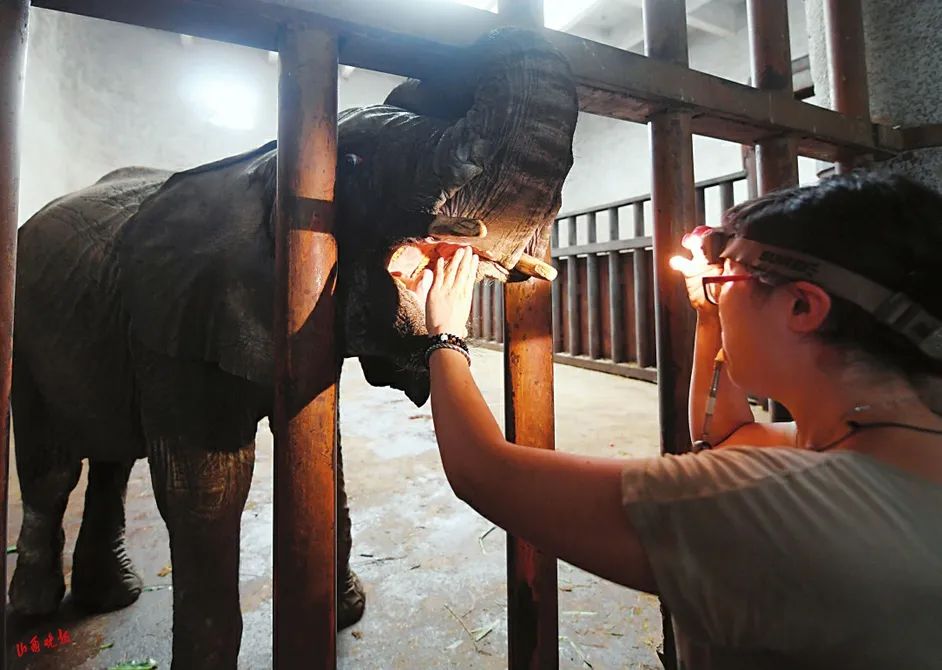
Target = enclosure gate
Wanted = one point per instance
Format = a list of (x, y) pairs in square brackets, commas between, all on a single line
[(417, 39)]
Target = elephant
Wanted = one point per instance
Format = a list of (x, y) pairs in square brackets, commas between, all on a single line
[(144, 309)]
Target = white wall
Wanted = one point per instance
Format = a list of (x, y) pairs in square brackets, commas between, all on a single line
[(102, 95)]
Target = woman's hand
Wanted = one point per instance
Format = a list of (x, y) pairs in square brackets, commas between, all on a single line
[(694, 270), (448, 305)]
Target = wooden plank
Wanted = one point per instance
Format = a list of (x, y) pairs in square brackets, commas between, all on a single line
[(487, 322), (306, 369), (14, 16), (557, 306), (616, 350), (726, 195), (600, 365), (602, 247), (592, 292), (643, 292), (420, 39), (572, 305)]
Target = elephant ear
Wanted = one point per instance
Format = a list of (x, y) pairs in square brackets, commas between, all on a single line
[(197, 269), (383, 372)]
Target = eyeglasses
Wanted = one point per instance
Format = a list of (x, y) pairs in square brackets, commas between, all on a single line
[(713, 285)]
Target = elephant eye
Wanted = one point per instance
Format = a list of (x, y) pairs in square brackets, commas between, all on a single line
[(352, 159)]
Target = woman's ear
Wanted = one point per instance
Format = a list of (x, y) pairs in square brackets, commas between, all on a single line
[(810, 306)]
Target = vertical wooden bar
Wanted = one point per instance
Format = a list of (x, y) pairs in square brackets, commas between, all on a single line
[(674, 207), (701, 206), (556, 299), (498, 312), (14, 17), (532, 610), (644, 294), (486, 321), (615, 306), (476, 312), (556, 292), (572, 305), (777, 157), (306, 360), (592, 293), (726, 195), (847, 66)]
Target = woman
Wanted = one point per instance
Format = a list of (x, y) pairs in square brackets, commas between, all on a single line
[(822, 549)]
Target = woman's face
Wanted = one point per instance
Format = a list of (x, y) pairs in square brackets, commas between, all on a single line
[(754, 332)]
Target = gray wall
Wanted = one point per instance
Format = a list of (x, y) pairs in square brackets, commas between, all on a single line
[(904, 57)]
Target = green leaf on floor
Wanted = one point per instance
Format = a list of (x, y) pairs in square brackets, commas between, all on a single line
[(11, 549), (149, 664), (106, 645)]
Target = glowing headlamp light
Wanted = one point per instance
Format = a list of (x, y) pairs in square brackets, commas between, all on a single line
[(892, 308)]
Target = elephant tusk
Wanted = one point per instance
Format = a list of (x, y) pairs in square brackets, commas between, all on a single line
[(453, 226), (534, 267)]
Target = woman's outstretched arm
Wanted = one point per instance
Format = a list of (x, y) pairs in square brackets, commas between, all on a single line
[(569, 506)]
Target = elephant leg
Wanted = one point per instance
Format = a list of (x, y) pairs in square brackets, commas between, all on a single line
[(48, 471), (350, 595), (201, 494), (103, 577)]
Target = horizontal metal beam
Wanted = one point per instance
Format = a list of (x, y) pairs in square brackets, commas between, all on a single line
[(603, 247), (419, 38)]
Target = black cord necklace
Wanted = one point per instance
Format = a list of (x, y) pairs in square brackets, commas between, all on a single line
[(857, 427)]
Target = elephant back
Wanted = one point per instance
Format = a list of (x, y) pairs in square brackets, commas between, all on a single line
[(196, 265), (70, 335)]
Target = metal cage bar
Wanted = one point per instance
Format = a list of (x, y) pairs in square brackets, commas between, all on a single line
[(532, 597), (847, 66), (14, 17), (673, 200), (306, 360), (777, 157)]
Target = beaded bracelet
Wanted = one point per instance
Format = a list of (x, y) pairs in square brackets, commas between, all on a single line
[(447, 345), (448, 338)]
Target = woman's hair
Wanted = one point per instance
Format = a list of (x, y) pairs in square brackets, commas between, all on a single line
[(885, 227)]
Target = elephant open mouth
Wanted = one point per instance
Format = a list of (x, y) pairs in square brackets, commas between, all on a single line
[(406, 261)]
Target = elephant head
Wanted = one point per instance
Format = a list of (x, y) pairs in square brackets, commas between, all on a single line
[(478, 156), (485, 149)]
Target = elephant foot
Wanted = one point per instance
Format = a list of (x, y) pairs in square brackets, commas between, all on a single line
[(352, 601), (104, 580), (37, 587)]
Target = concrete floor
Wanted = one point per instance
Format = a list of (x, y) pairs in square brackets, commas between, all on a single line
[(431, 566)]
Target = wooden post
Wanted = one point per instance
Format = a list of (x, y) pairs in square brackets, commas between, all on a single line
[(615, 302), (674, 206), (592, 294), (532, 624), (306, 358), (14, 16), (847, 66), (486, 321), (572, 305), (726, 195), (777, 157), (644, 294)]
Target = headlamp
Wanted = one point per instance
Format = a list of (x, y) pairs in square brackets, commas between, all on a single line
[(892, 308)]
